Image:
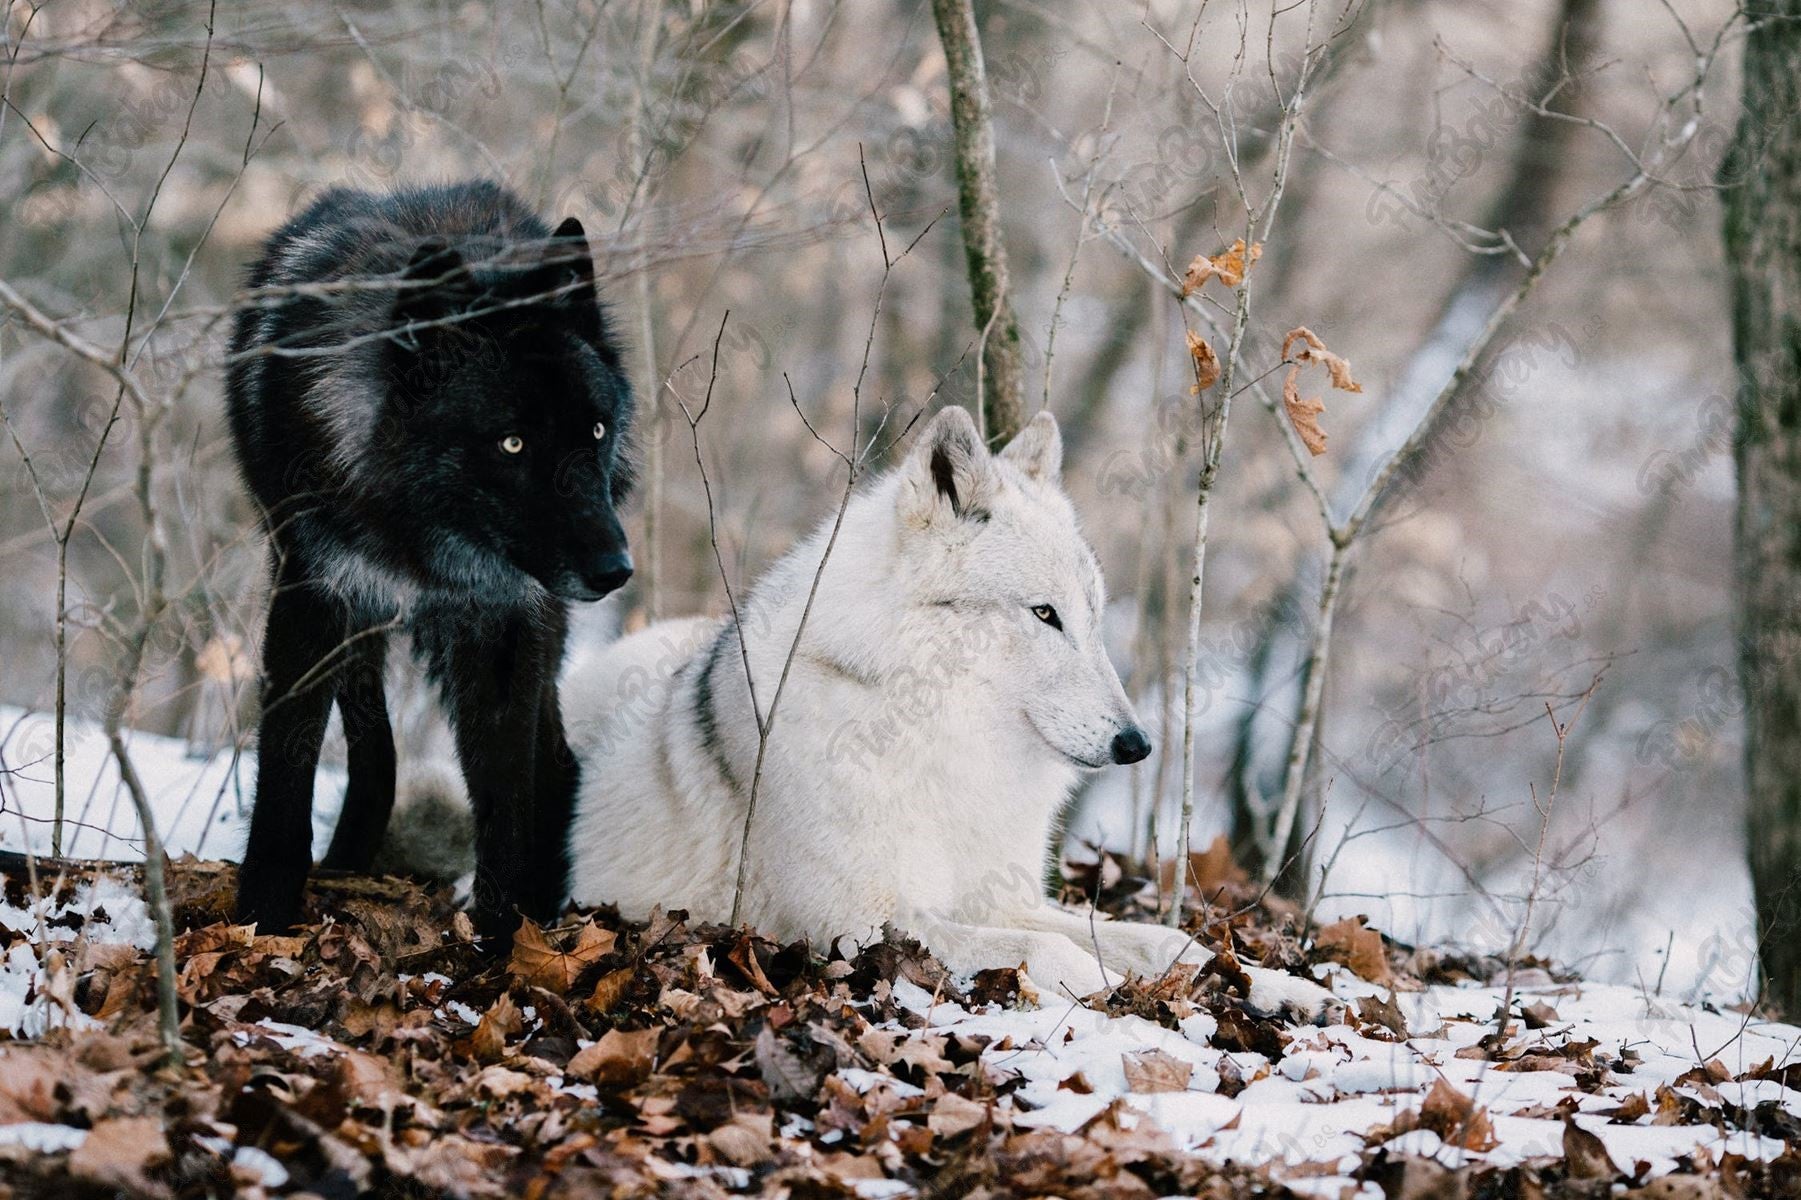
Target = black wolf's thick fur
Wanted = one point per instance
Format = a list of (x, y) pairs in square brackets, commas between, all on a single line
[(432, 427)]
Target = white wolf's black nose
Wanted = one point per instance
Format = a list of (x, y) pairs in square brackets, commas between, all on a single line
[(1131, 746)]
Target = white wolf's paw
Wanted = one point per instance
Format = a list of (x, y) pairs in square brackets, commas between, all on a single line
[(1057, 969), (1280, 992)]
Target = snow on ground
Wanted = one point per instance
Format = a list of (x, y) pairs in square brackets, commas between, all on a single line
[(201, 798), (1334, 1085)]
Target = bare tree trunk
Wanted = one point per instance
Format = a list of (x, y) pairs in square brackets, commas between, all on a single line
[(650, 391), (978, 205), (1762, 175)]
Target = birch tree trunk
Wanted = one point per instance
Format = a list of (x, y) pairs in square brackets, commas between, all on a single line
[(1762, 179), (978, 206)]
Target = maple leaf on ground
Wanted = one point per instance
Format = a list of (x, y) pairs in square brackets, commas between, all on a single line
[(1229, 267), (537, 961), (1303, 413)]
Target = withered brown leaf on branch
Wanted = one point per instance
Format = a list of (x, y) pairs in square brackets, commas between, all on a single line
[(1229, 267), (1206, 363), (1303, 413)]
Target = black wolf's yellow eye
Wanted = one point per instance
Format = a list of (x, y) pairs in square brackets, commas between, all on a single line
[(1048, 615), (512, 443), (600, 430)]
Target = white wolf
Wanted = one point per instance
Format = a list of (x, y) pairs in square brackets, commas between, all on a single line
[(948, 691)]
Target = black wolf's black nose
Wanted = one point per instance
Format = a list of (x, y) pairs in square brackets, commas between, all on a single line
[(608, 573), (1131, 746)]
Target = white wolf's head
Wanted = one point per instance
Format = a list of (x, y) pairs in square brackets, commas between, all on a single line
[(999, 569)]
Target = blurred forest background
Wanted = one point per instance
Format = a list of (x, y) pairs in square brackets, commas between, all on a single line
[(1564, 537)]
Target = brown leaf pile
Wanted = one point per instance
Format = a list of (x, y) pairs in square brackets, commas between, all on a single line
[(376, 1052), (1303, 413)]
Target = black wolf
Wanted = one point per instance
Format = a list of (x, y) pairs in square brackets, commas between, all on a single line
[(429, 409)]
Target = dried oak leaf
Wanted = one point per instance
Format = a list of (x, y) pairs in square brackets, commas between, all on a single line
[(1214, 868), (1228, 267), (1384, 1013), (1629, 1111), (537, 961), (1206, 363), (1356, 945), (618, 1058), (1585, 1154), (746, 1140), (1539, 1015), (502, 1020), (1156, 1071), (118, 1152), (610, 989), (953, 1115), (1303, 413), (793, 1067), (1457, 1119)]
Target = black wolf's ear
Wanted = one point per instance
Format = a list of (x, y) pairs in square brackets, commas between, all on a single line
[(1037, 449), (435, 284), (950, 472), (567, 260)]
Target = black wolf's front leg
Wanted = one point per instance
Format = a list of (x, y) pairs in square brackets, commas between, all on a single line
[(369, 797), (301, 647), (497, 687), (558, 777)]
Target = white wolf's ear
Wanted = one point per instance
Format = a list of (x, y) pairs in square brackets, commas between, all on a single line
[(1038, 448), (949, 471)]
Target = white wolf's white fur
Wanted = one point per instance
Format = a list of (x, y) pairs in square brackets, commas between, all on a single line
[(930, 730)]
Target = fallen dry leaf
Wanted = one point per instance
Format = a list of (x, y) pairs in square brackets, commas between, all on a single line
[(1214, 868), (1456, 1118), (1156, 1071), (953, 1115), (618, 1058), (502, 1020), (1586, 1154), (1358, 947), (117, 1153), (537, 961), (1228, 267), (1385, 1013)]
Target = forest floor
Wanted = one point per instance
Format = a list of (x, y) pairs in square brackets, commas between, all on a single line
[(376, 1051)]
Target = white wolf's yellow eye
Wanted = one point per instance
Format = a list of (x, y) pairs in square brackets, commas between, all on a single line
[(600, 430), (512, 443)]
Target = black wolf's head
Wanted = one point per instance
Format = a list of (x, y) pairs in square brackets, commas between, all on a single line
[(507, 409)]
